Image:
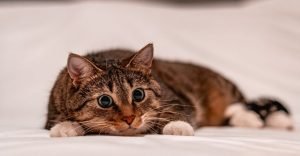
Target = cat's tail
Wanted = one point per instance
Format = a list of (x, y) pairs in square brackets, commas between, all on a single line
[(258, 113)]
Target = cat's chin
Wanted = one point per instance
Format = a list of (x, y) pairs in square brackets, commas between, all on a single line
[(128, 132)]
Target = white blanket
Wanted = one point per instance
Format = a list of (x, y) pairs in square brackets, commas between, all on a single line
[(255, 44)]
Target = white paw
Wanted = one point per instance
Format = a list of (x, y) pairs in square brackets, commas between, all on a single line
[(279, 120), (178, 128), (246, 119), (241, 117), (66, 129)]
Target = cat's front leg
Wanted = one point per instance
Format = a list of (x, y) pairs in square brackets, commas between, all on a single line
[(178, 128), (67, 129)]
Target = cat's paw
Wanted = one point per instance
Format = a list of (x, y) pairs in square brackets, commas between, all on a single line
[(66, 129), (246, 119), (239, 116), (279, 120), (178, 128)]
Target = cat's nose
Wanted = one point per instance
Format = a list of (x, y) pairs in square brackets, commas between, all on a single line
[(128, 119)]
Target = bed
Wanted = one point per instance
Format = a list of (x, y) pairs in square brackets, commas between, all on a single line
[(254, 43)]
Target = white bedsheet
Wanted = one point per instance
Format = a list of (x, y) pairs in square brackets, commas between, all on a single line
[(209, 141), (255, 44)]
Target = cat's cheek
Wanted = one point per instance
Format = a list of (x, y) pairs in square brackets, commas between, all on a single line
[(137, 123), (66, 129), (178, 128)]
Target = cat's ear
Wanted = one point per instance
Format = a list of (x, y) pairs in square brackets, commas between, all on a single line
[(80, 68), (142, 60)]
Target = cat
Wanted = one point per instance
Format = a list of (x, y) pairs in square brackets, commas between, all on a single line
[(120, 92)]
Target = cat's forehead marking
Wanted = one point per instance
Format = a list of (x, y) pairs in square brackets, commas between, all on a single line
[(110, 86), (120, 87)]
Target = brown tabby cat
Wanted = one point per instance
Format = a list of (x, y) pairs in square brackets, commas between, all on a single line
[(119, 92)]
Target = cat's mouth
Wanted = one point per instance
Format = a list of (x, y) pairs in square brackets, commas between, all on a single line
[(130, 130), (133, 128)]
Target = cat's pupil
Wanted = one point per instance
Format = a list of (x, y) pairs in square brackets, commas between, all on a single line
[(138, 95), (105, 101)]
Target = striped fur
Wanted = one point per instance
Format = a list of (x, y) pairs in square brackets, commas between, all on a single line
[(176, 95)]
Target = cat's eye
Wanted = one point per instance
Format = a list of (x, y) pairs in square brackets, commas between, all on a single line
[(105, 101), (138, 95)]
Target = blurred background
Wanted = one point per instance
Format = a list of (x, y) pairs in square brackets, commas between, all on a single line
[(255, 43)]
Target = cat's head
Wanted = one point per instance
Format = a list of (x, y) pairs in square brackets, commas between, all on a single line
[(121, 100)]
